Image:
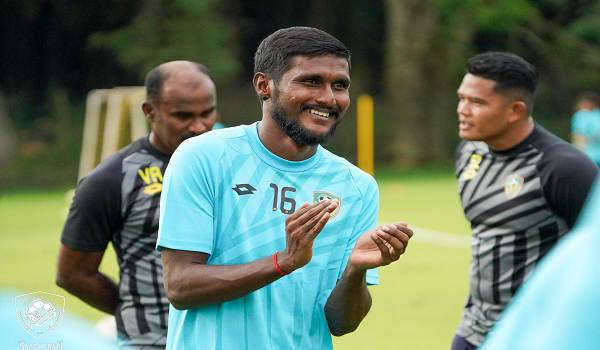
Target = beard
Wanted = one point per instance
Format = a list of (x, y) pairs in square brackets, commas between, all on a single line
[(294, 129)]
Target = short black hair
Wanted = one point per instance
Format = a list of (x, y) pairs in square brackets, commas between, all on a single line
[(276, 53), (510, 72), (156, 78), (589, 96)]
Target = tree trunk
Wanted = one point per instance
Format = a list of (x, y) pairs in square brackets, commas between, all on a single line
[(423, 66)]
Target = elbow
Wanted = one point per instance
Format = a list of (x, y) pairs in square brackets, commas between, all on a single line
[(339, 331), (176, 302), (64, 281), (176, 293)]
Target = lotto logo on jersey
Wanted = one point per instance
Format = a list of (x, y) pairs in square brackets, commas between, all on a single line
[(471, 171), (153, 177), (513, 185), (322, 195)]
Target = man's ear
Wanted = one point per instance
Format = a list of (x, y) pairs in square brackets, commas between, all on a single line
[(517, 110), (148, 109), (261, 84)]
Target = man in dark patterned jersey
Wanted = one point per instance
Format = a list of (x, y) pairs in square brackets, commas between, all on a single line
[(118, 202), (521, 187)]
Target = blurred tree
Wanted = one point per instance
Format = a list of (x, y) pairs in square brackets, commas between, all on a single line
[(43, 47), (166, 30), (563, 41), (409, 54), (427, 44), (7, 141)]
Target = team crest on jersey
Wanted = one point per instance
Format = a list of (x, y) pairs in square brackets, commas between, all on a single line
[(322, 195), (513, 185), (471, 171)]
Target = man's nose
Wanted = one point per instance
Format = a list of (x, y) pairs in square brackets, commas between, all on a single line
[(199, 125), (326, 96), (462, 108)]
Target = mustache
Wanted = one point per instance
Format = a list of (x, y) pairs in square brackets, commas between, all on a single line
[(333, 111)]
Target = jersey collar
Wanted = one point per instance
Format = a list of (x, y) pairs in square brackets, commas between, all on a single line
[(275, 161)]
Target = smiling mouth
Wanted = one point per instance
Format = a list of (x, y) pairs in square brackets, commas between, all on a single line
[(322, 114)]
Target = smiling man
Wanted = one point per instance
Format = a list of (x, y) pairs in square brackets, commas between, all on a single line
[(521, 187), (268, 240), (118, 203)]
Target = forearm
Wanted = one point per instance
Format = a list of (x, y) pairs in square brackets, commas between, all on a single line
[(348, 303), (97, 290), (197, 285)]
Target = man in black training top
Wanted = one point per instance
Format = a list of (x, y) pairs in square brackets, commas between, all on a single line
[(118, 202), (521, 187)]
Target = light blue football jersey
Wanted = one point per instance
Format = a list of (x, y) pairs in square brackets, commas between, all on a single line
[(226, 195), (587, 125)]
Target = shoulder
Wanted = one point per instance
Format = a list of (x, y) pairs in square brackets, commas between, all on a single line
[(557, 150), (466, 146), (561, 159), (110, 169), (213, 141), (205, 152), (207, 145), (465, 151), (362, 179)]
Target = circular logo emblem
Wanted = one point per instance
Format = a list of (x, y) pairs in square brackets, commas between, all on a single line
[(38, 314)]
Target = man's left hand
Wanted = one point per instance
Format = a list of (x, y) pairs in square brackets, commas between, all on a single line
[(380, 246)]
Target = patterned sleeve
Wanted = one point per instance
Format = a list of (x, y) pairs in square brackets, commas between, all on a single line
[(187, 200), (568, 176), (95, 213)]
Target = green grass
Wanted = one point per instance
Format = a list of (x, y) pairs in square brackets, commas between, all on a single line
[(420, 298), (31, 224), (417, 305)]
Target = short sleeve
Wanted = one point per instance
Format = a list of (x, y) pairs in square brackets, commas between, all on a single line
[(95, 213), (367, 220), (188, 196), (570, 176)]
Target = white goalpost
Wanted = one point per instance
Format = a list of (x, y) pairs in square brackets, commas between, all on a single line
[(113, 118)]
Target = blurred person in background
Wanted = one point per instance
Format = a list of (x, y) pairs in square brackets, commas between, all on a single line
[(118, 202), (521, 187), (585, 125)]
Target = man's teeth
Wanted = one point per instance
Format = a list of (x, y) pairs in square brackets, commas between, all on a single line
[(322, 114)]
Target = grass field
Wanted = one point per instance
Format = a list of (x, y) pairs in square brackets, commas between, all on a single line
[(417, 305)]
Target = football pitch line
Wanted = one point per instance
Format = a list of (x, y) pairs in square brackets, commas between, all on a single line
[(439, 238)]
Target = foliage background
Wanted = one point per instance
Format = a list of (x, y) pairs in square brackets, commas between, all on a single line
[(408, 54)]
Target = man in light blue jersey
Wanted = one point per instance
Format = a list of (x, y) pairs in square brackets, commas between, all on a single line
[(268, 240)]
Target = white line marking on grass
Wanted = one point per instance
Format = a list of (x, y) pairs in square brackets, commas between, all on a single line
[(439, 238)]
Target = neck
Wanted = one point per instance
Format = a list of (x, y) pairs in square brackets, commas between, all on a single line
[(158, 145), (278, 143), (516, 135)]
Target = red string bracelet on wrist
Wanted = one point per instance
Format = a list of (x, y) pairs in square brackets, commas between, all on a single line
[(277, 266)]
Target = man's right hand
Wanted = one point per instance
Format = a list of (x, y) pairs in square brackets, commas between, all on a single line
[(301, 229), (190, 282)]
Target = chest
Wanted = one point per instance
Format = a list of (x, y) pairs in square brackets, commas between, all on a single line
[(499, 184)]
